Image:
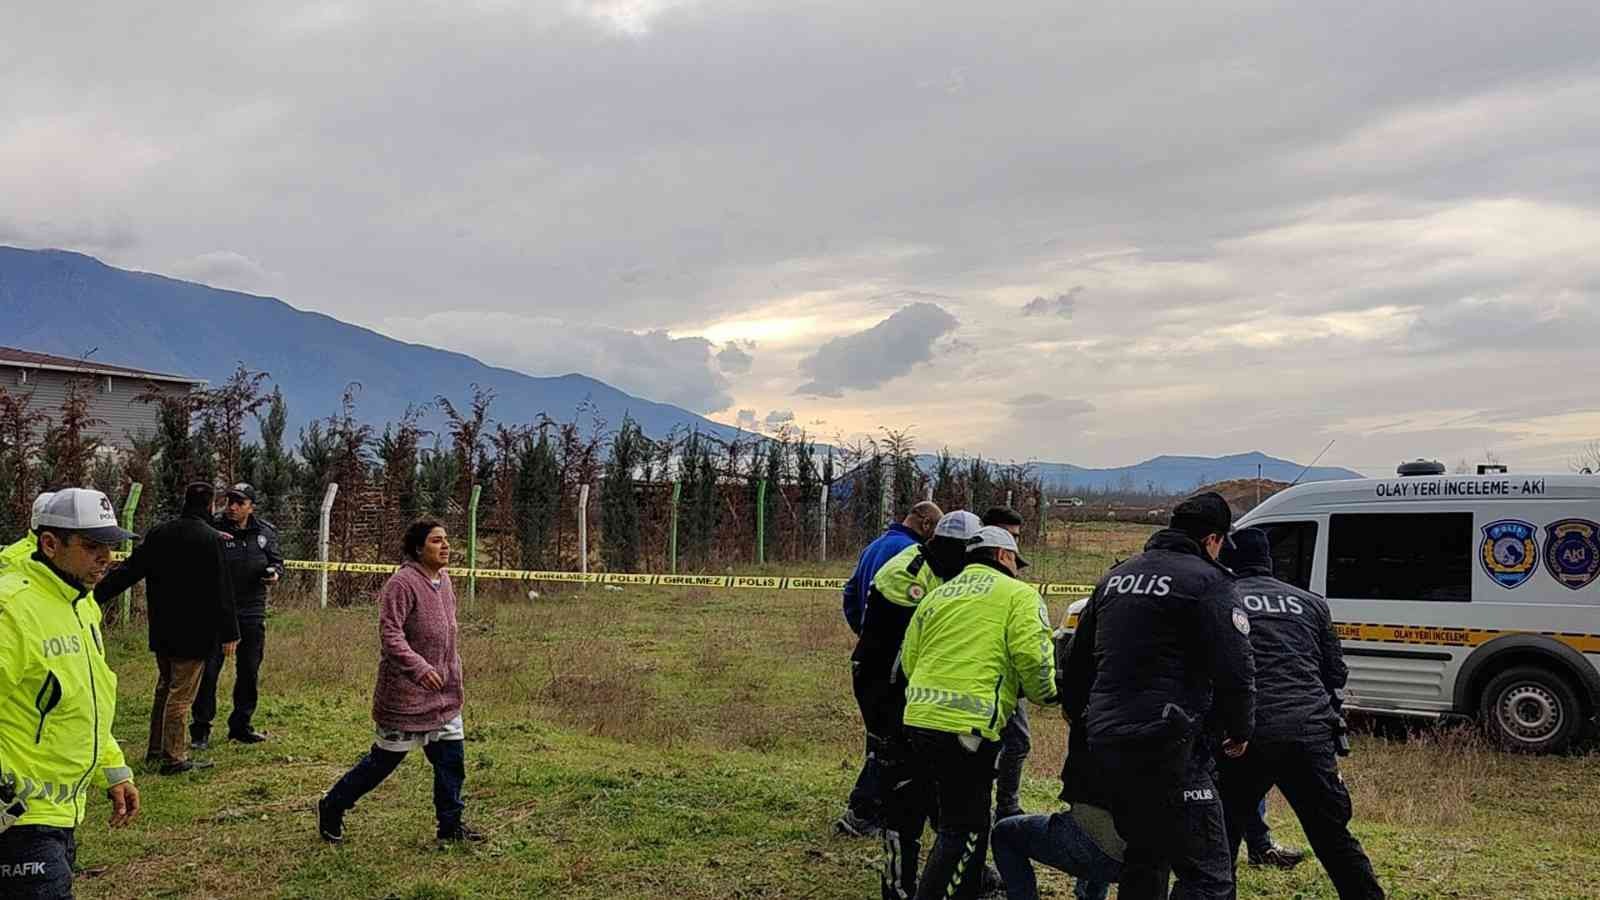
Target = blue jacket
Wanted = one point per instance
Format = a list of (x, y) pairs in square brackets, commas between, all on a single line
[(887, 546)]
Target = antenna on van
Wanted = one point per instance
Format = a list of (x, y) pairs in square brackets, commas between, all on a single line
[(1313, 462)]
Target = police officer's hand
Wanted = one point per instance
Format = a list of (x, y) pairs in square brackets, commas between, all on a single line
[(229, 647), (124, 803), (1234, 750), (271, 577), (433, 681)]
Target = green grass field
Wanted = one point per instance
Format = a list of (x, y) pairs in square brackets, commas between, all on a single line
[(697, 744)]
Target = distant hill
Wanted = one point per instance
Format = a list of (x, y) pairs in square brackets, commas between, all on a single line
[(66, 303), (1174, 474)]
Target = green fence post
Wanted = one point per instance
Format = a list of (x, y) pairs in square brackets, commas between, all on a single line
[(761, 522), (128, 510), (672, 530), (472, 546)]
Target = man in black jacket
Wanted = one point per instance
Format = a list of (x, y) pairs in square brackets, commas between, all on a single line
[(1299, 699), (254, 563), (190, 604), (1159, 664)]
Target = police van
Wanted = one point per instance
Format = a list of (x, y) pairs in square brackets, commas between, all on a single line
[(1463, 595)]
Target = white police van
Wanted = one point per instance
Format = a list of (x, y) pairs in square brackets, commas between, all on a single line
[(1464, 595)]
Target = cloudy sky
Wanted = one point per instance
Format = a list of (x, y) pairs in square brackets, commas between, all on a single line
[(1089, 232)]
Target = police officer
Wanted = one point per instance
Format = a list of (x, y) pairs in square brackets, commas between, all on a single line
[(29, 543), (861, 813), (58, 698), (254, 563), (1299, 700), (880, 688), (1016, 739), (1159, 664), (975, 645)]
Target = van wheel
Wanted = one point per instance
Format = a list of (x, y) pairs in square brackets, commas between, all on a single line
[(1530, 710)]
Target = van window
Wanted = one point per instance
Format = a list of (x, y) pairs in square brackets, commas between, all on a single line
[(1294, 547), (1400, 556)]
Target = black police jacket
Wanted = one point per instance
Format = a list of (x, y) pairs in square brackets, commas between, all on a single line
[(1300, 670), (1162, 640), (187, 589), (252, 555)]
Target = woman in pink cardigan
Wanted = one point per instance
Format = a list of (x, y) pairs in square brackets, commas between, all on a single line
[(417, 702)]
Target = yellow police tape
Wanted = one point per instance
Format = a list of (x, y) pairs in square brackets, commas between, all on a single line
[(748, 582)]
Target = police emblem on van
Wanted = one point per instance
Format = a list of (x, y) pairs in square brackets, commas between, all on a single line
[(1572, 552), (1509, 553)]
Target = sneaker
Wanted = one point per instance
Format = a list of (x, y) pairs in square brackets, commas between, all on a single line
[(200, 743), (1278, 857), (1010, 812), (188, 765), (330, 822), (852, 825), (463, 833), (249, 737)]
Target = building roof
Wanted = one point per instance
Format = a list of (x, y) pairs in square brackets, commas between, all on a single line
[(28, 359)]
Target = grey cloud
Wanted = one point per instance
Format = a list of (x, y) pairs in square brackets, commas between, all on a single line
[(779, 418), (538, 197), (87, 236), (734, 360), (1060, 305), (883, 352), (746, 419), (1042, 407), (1256, 178), (650, 364), (225, 269)]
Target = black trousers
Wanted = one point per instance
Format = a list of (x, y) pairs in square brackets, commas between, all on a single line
[(1307, 773), (246, 686), (865, 798), (963, 783), (904, 799), (36, 862), (1167, 807)]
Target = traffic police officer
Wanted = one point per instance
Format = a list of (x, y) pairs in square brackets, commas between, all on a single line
[(898, 587), (1299, 729), (1159, 663), (58, 698), (974, 645), (29, 543)]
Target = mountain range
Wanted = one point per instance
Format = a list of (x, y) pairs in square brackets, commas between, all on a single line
[(1176, 474), (65, 303), (56, 301)]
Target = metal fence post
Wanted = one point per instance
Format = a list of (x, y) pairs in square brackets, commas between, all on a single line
[(823, 521), (583, 528), (128, 510), (761, 521), (886, 488), (472, 545), (322, 541), (672, 530)]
